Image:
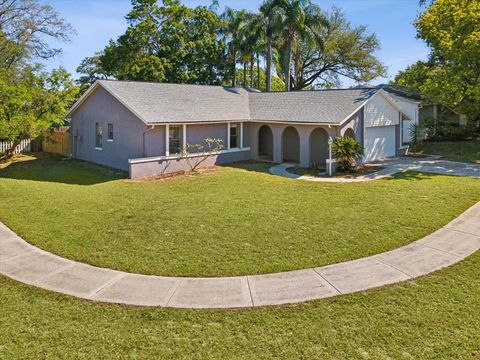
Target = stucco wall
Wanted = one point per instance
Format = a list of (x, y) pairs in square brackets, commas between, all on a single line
[(356, 124), (155, 167), (155, 141), (197, 133), (128, 131)]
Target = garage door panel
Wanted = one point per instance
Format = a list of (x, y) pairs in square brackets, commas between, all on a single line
[(379, 143)]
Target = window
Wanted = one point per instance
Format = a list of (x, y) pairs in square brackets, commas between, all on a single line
[(233, 136), (110, 132), (174, 139), (98, 135)]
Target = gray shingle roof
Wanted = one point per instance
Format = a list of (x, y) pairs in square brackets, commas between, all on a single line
[(323, 106), (180, 103), (161, 103)]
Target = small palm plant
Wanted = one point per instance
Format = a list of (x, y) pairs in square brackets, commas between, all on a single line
[(346, 150), (415, 141)]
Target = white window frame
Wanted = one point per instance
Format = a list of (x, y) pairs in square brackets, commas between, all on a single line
[(237, 135), (179, 140)]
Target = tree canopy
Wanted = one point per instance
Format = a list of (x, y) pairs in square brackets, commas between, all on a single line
[(31, 99), (451, 75), (170, 42)]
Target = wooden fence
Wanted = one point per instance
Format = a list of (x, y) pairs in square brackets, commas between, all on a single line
[(57, 141), (24, 147)]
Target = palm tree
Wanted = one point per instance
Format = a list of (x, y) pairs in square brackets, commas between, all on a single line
[(250, 39), (272, 25), (256, 44), (299, 18), (235, 24)]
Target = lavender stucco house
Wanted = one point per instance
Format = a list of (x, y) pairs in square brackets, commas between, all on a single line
[(141, 127)]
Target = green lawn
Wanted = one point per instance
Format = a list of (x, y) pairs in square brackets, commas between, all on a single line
[(229, 220), (464, 151), (434, 317)]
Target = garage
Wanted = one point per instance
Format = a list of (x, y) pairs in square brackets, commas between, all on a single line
[(379, 142)]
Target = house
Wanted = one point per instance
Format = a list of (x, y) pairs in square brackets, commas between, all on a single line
[(142, 127)]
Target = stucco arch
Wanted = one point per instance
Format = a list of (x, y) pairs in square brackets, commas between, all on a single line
[(290, 145), (265, 143), (318, 147)]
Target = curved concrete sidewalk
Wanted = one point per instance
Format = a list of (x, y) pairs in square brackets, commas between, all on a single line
[(28, 264), (390, 167)]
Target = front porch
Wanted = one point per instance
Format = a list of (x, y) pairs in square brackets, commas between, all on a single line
[(306, 145)]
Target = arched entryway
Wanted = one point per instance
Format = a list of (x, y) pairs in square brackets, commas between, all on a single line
[(265, 143), (350, 133), (291, 145), (318, 147)]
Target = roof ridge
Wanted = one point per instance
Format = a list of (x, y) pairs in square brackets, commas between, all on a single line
[(248, 89)]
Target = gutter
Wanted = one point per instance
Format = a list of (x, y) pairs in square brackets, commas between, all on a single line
[(144, 136)]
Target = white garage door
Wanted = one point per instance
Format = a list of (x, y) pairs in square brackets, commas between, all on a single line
[(379, 142)]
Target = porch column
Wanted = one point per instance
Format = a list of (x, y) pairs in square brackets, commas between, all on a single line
[(277, 131), (184, 137), (167, 140), (241, 135), (304, 135)]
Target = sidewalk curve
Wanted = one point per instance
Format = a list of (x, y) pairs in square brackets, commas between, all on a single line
[(446, 246)]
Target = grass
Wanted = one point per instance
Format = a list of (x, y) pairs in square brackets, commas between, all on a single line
[(226, 221), (359, 171), (463, 151), (434, 317)]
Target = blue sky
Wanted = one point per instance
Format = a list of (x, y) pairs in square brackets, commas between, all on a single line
[(98, 21)]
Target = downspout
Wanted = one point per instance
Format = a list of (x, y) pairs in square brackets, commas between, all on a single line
[(144, 136)]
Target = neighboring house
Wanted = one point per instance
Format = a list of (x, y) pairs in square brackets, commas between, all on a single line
[(427, 108), (142, 127)]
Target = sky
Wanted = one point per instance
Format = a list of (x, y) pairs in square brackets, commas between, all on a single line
[(98, 21)]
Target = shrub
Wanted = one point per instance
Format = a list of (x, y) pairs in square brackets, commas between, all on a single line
[(442, 129), (347, 151), (200, 152), (415, 138)]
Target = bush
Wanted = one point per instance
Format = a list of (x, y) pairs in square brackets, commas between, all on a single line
[(415, 138), (347, 151), (444, 130)]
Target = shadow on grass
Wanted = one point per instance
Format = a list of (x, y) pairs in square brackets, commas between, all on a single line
[(251, 165), (412, 175), (54, 168)]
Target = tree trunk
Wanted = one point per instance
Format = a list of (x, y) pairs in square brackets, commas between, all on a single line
[(258, 71), (287, 64), (268, 84), (296, 70), (234, 70), (245, 74), (252, 62)]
